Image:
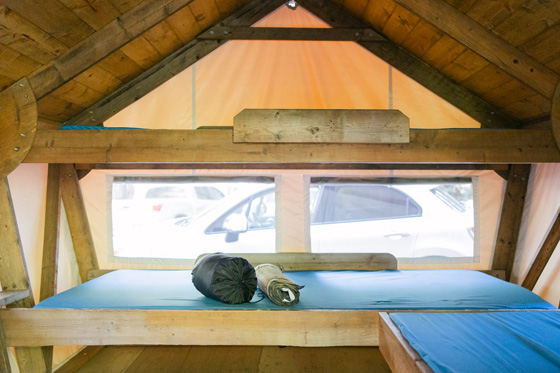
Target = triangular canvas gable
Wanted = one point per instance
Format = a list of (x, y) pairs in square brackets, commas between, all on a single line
[(288, 75)]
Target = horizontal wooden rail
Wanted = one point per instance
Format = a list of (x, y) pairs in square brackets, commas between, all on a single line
[(484, 146)]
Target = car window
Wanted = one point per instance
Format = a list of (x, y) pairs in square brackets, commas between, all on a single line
[(346, 203), (259, 210), (166, 192), (208, 193)]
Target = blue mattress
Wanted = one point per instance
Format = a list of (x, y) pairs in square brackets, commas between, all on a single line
[(355, 290), (484, 342)]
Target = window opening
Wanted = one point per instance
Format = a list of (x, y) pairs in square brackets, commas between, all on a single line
[(183, 217), (410, 218)]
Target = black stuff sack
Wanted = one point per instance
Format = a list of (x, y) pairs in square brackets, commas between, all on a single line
[(226, 278)]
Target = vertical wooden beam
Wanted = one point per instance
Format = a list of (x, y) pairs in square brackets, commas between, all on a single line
[(510, 219), (13, 274), (4, 358), (77, 220), (545, 252), (49, 268)]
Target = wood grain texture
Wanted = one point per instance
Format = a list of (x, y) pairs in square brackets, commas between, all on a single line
[(396, 350), (555, 115), (288, 33), (102, 43), (320, 126), (216, 146), (4, 358), (49, 267), (543, 256), (18, 123), (77, 220), (486, 44), (314, 328), (416, 69), (510, 220), (172, 65)]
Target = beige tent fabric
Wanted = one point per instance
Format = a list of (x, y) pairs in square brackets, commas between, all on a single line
[(542, 205), (286, 75)]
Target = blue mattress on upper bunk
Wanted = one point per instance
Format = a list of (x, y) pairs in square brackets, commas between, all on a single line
[(348, 290), (497, 342)]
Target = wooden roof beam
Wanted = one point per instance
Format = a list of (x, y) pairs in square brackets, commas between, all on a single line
[(510, 219), (413, 67), (216, 146), (543, 256), (102, 43), (170, 66), (487, 44), (289, 33)]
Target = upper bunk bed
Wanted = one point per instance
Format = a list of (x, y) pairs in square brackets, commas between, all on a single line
[(339, 305)]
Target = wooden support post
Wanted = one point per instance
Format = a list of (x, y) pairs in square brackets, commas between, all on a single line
[(545, 252), (13, 275), (49, 267), (77, 220), (510, 220), (4, 358)]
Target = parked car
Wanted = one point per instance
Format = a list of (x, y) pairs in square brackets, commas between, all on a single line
[(409, 221)]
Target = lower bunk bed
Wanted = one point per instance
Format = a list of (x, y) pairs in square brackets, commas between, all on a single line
[(339, 305), (499, 342)]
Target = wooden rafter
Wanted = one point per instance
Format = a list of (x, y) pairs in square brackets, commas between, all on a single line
[(102, 43), (170, 66), (555, 115), (216, 146), (287, 33), (486, 43), (543, 256), (416, 69), (77, 220), (510, 220)]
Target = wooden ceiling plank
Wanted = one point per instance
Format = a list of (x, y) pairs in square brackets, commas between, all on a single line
[(545, 252), (416, 69), (486, 44), (510, 219), (216, 146), (555, 115), (142, 52), (378, 12), (101, 44), (99, 80), (464, 66), (205, 12), (121, 66), (37, 44), (96, 13), (73, 31), (169, 67), (425, 36), (184, 25), (163, 38), (400, 24), (14, 65)]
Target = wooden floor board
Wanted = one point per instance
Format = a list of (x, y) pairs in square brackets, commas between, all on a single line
[(210, 359)]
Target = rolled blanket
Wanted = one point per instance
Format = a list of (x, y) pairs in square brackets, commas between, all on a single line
[(226, 278), (276, 285)]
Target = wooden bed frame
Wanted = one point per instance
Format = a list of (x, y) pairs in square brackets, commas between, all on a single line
[(312, 328)]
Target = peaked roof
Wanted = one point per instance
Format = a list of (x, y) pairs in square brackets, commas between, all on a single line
[(497, 61)]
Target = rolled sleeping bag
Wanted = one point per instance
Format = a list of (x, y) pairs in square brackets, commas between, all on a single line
[(280, 289), (226, 278)]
